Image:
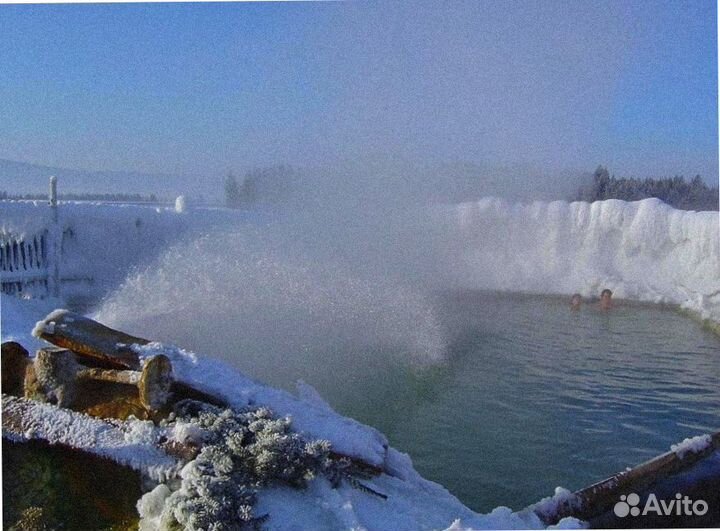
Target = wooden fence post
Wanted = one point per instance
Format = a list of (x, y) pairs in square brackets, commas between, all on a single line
[(55, 235)]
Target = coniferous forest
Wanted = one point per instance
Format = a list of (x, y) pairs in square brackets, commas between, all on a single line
[(675, 191)]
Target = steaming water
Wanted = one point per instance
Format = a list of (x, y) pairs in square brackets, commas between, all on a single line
[(535, 396), (499, 398)]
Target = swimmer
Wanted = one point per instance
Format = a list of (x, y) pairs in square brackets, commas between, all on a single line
[(575, 301), (606, 299)]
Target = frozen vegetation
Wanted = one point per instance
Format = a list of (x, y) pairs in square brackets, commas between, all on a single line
[(693, 195)]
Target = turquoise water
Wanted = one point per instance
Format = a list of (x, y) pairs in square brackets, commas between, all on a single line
[(534, 395)]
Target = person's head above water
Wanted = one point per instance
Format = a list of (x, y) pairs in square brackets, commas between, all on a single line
[(575, 301), (606, 299)]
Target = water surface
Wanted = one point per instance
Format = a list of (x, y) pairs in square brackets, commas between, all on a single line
[(534, 395)]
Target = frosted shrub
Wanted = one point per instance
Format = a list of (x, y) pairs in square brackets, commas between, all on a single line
[(243, 451)]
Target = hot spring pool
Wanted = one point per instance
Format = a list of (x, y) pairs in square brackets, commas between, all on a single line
[(525, 396), (532, 395)]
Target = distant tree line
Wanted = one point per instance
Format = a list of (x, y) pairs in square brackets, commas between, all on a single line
[(675, 191), (236, 195), (259, 185), (127, 198)]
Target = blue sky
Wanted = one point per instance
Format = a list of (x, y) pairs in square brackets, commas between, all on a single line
[(203, 88)]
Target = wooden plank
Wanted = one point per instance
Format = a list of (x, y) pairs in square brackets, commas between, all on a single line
[(90, 339), (600, 497), (182, 391)]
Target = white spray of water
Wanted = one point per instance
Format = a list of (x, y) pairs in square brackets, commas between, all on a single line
[(267, 306)]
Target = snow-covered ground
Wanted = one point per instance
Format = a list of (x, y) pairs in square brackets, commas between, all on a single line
[(643, 250), (101, 242)]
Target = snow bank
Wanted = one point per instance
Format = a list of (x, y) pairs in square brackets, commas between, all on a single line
[(643, 250), (411, 506), (549, 507), (134, 447)]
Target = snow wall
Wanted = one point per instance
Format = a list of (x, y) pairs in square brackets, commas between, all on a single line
[(643, 250)]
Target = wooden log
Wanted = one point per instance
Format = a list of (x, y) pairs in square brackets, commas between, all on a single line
[(55, 373), (24, 419), (14, 359), (59, 376), (97, 345), (155, 381), (595, 500), (182, 391), (90, 339)]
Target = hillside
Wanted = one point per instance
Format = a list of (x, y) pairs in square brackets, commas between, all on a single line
[(23, 178)]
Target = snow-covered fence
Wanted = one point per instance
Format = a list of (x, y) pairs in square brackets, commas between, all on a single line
[(29, 263), (24, 264)]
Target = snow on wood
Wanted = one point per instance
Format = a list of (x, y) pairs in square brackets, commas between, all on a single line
[(214, 379), (596, 499), (692, 445), (131, 443), (89, 338)]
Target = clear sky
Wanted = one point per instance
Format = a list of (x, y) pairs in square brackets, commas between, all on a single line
[(201, 88)]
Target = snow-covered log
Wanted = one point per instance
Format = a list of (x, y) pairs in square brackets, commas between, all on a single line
[(89, 338), (600, 497)]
